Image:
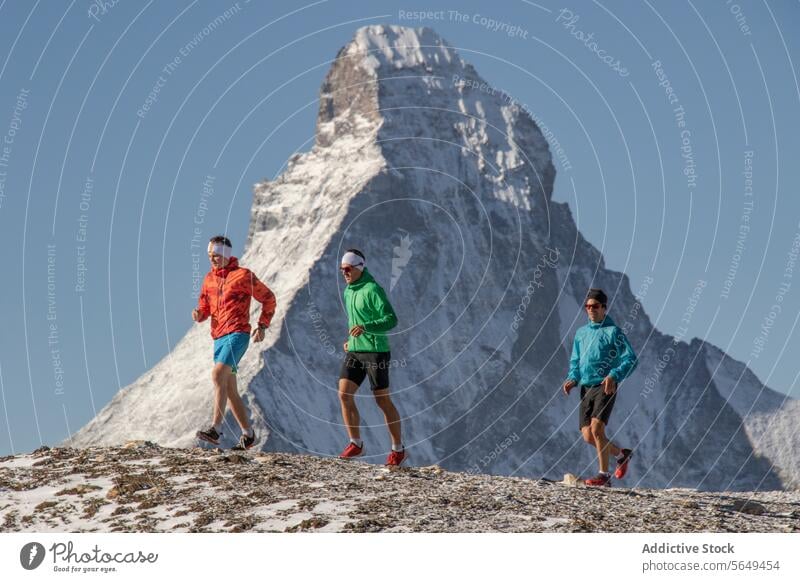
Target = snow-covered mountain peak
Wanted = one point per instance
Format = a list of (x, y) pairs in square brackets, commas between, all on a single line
[(409, 90), (399, 47)]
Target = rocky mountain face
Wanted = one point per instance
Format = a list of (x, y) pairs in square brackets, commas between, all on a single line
[(141, 487), (445, 184)]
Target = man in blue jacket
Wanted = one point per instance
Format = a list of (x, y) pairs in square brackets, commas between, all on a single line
[(601, 358)]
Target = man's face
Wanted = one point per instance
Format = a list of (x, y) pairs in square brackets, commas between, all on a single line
[(350, 273), (217, 261), (595, 310)]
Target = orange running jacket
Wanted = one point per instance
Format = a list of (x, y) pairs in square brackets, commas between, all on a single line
[(225, 296)]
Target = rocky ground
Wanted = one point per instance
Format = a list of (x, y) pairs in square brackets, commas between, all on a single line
[(141, 487)]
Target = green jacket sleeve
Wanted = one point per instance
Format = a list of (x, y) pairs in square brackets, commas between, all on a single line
[(626, 358), (574, 362), (384, 317)]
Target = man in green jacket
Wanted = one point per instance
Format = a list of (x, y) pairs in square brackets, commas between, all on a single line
[(601, 358), (369, 317)]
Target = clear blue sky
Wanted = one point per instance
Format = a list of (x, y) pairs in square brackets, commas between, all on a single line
[(115, 189)]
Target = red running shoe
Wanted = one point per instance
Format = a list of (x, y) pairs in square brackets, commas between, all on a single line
[(622, 464), (599, 480), (395, 458), (352, 451)]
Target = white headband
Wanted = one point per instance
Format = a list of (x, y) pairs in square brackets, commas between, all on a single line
[(354, 260), (220, 249)]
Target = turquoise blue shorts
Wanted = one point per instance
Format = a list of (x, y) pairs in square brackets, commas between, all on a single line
[(230, 348)]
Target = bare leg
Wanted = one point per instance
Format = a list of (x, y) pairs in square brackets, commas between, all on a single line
[(603, 445), (390, 414), (350, 416), (237, 404), (220, 379), (586, 431)]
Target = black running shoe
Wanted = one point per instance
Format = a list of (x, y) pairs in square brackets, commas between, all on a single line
[(210, 435), (245, 442)]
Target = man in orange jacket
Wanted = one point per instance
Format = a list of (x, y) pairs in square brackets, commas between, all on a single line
[(225, 296)]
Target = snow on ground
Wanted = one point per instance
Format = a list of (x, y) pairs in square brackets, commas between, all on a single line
[(147, 488)]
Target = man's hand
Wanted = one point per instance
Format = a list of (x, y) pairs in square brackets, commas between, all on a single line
[(609, 385), (258, 334), (356, 330), (196, 314), (569, 385), (345, 346)]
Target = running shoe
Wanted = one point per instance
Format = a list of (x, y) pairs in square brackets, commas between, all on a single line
[(599, 480), (351, 451), (245, 442), (622, 463), (210, 435), (395, 458)]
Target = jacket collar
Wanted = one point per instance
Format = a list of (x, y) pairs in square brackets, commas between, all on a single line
[(365, 278), (232, 265), (605, 323)]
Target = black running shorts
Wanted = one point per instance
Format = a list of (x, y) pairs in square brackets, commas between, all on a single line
[(358, 365), (595, 404)]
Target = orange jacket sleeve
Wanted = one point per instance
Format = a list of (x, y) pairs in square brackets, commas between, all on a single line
[(263, 295), (202, 303)]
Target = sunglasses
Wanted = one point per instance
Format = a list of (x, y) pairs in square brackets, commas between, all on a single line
[(346, 269), (593, 306)]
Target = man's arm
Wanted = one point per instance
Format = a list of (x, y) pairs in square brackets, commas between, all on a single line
[(386, 318), (574, 373), (203, 307), (625, 356), (263, 295)]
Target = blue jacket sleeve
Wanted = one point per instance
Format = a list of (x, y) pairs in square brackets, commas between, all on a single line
[(626, 358), (574, 362)]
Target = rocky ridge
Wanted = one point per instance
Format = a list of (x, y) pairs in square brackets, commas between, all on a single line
[(141, 487)]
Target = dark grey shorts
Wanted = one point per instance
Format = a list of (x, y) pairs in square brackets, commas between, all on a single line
[(595, 404)]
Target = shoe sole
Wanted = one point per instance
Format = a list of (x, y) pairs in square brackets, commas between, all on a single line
[(361, 454), (238, 448), (405, 458), (206, 439)]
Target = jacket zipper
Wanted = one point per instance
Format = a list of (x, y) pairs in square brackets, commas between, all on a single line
[(220, 300)]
